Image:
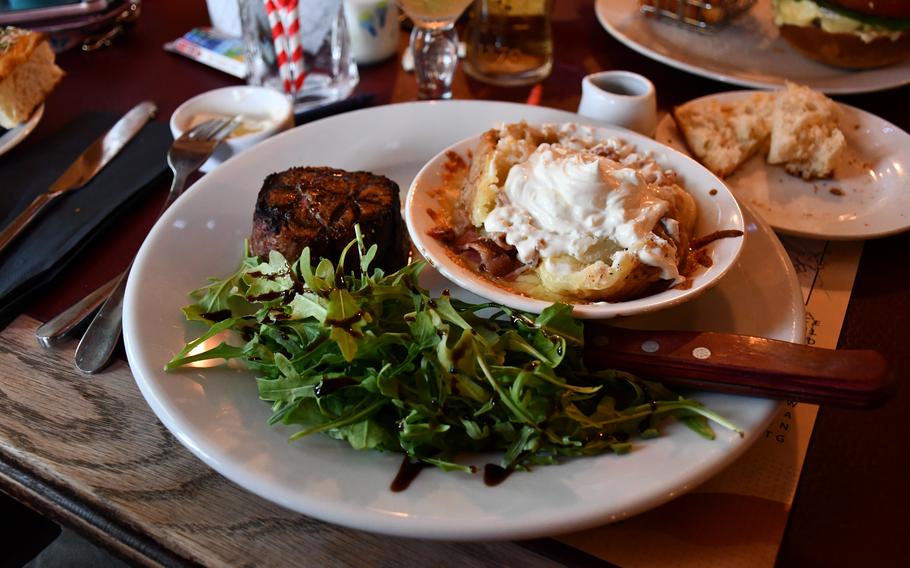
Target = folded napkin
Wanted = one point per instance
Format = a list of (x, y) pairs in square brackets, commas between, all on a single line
[(68, 224)]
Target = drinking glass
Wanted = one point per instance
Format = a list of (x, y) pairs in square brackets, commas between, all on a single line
[(314, 65), (434, 44), (509, 42)]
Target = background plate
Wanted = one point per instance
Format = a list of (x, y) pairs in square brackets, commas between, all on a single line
[(748, 52), (216, 413)]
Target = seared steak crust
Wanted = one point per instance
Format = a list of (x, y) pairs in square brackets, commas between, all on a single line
[(318, 207)]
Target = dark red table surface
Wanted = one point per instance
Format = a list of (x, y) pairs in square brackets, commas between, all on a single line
[(852, 497)]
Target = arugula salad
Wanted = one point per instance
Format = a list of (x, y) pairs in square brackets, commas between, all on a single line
[(372, 359)]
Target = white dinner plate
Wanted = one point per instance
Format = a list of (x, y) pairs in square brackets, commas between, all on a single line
[(11, 138), (867, 196), (216, 413), (748, 51), (717, 211)]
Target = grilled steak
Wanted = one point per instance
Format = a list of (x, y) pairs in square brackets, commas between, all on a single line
[(318, 207)]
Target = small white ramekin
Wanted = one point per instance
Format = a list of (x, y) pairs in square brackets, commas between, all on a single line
[(256, 103)]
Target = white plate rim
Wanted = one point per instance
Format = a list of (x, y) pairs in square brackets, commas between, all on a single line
[(872, 233), (12, 137), (856, 87), (145, 372), (667, 299)]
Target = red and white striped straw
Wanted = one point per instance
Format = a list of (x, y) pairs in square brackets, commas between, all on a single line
[(280, 41), (291, 17)]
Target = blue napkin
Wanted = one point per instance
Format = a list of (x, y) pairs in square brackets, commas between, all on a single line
[(70, 222)]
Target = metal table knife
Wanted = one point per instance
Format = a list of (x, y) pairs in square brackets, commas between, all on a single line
[(84, 168)]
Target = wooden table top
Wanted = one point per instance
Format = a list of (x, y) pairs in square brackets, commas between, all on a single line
[(89, 453)]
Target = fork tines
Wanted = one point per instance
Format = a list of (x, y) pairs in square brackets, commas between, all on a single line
[(214, 129)]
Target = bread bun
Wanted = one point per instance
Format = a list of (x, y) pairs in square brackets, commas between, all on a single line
[(845, 49), (724, 135), (28, 74), (881, 8), (805, 137)]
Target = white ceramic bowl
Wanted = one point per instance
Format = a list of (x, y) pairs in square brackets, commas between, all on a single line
[(717, 211), (256, 103)]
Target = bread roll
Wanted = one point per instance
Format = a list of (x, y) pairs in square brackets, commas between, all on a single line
[(723, 135), (846, 50), (854, 34), (27, 74), (805, 137)]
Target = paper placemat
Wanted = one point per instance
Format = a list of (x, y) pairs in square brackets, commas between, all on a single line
[(738, 517)]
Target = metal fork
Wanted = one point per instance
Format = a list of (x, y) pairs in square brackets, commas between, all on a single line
[(186, 155)]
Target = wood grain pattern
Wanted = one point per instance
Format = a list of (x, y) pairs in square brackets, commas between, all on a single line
[(94, 442)]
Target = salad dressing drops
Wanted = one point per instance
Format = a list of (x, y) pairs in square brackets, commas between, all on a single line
[(407, 472), (494, 474)]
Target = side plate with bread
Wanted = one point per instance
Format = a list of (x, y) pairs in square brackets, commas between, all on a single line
[(864, 197), (11, 138), (28, 74)]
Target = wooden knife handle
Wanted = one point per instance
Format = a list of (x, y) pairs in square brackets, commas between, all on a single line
[(741, 364)]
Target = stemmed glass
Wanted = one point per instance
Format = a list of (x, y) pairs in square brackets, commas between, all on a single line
[(434, 44)]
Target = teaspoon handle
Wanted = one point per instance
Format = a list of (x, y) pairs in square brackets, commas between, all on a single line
[(101, 337), (55, 329)]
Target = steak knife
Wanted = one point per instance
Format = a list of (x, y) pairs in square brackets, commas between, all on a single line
[(740, 364), (84, 168)]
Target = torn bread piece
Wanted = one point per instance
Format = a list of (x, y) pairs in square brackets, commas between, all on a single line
[(28, 74), (723, 135), (805, 137)]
